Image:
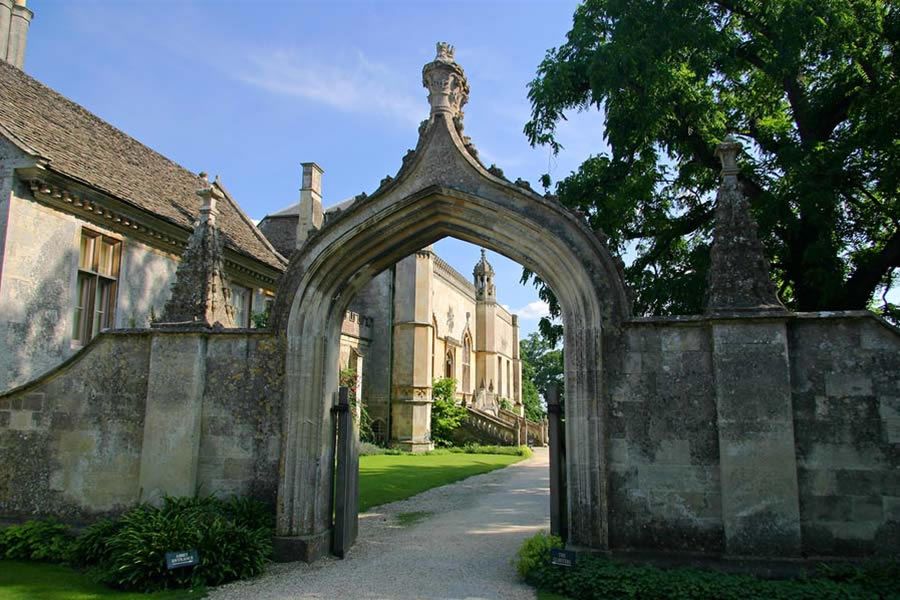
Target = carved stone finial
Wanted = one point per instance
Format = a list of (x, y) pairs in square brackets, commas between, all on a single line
[(211, 194), (444, 52), (448, 90), (200, 294), (727, 151), (739, 278)]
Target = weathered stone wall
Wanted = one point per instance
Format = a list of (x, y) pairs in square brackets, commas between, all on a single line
[(241, 427), (40, 264), (756, 436), (70, 444), (845, 376), (664, 450), (75, 443), (145, 284)]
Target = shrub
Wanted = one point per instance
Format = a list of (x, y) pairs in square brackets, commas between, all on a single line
[(92, 546), (535, 554), (446, 414), (232, 538), (598, 577), (370, 449), (44, 540), (484, 449)]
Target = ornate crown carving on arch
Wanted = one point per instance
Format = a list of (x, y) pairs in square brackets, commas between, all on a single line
[(448, 89)]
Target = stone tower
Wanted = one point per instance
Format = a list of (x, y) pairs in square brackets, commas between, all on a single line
[(485, 290), (486, 350)]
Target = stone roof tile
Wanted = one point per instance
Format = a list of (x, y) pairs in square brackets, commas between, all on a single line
[(80, 145)]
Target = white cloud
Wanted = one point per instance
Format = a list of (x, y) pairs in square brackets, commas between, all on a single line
[(359, 85), (532, 310)]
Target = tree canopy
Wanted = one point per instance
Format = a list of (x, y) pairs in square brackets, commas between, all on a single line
[(811, 88), (542, 366)]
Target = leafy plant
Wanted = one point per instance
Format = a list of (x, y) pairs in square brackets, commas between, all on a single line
[(260, 319), (599, 577), (535, 553), (44, 540), (92, 546), (505, 404), (349, 380), (810, 87), (446, 414), (232, 538)]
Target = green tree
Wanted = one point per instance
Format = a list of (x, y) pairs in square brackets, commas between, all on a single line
[(542, 366), (446, 414), (810, 86)]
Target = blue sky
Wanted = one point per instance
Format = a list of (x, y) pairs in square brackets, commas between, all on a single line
[(249, 90)]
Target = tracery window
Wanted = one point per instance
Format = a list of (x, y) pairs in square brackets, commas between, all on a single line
[(97, 285), (449, 364)]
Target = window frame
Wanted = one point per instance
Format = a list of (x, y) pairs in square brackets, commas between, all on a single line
[(96, 285)]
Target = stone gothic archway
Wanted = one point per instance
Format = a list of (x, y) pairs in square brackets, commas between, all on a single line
[(441, 190)]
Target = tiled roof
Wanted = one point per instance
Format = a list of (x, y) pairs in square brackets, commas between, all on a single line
[(82, 146)]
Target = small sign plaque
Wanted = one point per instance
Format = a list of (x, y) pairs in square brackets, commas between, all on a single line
[(185, 558), (562, 558)]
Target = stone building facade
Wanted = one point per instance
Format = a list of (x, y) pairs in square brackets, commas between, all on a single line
[(92, 227)]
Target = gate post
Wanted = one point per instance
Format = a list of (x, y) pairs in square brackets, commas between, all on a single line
[(558, 504), (346, 489)]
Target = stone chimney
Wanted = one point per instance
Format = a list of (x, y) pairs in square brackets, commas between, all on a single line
[(739, 278), (311, 216), (15, 19)]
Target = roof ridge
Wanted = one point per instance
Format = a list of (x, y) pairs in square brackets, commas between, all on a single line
[(259, 234)]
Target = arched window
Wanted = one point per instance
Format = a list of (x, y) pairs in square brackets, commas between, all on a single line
[(449, 364), (467, 364)]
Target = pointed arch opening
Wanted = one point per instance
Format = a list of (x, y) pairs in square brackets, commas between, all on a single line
[(443, 190)]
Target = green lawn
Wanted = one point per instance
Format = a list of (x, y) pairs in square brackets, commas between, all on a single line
[(382, 479), (41, 581), (388, 478)]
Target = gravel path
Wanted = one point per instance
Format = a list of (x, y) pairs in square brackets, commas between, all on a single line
[(461, 549)]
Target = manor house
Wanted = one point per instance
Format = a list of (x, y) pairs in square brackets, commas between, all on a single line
[(93, 226)]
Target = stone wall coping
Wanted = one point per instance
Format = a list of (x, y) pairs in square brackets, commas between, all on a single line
[(136, 332), (763, 316)]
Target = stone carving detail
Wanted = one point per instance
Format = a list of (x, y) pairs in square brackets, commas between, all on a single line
[(483, 274), (448, 89), (496, 171), (200, 294), (739, 277), (519, 182), (450, 319)]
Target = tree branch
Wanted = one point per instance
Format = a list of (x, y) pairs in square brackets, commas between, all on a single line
[(862, 283)]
